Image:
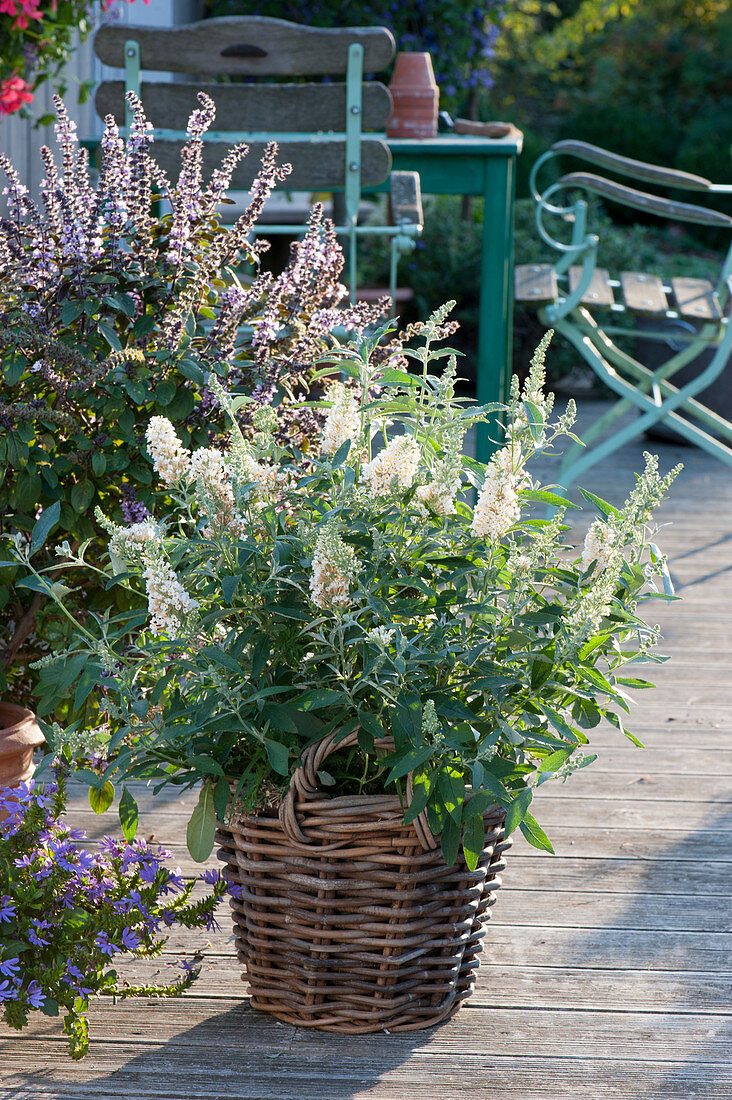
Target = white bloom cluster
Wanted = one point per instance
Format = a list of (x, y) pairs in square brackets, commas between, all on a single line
[(265, 477), (334, 567), (343, 420), (167, 600), (82, 743), (210, 475), (381, 635), (599, 546), (497, 507), (439, 496), (130, 543), (393, 468), (170, 457)]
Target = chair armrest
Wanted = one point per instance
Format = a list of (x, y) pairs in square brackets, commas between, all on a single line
[(406, 199), (650, 173), (640, 200)]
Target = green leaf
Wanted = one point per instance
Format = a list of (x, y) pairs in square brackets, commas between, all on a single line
[(201, 831), (342, 453), (535, 420), (534, 833), (318, 698), (452, 789), (278, 756), (222, 794), (99, 463), (128, 815), (165, 392), (71, 311), (559, 723), (516, 812), (280, 717), (45, 523), (450, 840), (229, 586), (49, 1007), (556, 760), (601, 505), (101, 798), (411, 760), (82, 495), (543, 496), (473, 840), (108, 333)]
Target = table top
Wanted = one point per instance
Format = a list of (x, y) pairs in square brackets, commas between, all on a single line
[(451, 144)]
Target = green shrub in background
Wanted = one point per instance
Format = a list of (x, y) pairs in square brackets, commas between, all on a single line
[(110, 314), (650, 79)]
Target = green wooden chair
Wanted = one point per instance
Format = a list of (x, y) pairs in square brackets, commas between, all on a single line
[(324, 129), (596, 309)]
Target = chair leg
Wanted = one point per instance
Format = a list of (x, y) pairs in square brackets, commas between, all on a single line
[(651, 411)]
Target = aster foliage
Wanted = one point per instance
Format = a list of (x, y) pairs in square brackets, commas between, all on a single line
[(113, 315), (363, 591), (68, 915)]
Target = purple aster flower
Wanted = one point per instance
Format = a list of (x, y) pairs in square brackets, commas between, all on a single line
[(34, 937), (211, 876), (113, 847), (24, 861), (103, 943), (173, 882), (233, 888), (130, 939), (8, 991), (10, 967), (34, 995), (7, 909), (188, 966)]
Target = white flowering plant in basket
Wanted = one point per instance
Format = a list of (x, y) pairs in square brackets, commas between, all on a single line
[(287, 597)]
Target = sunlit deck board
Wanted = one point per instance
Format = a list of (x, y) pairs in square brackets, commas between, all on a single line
[(606, 971)]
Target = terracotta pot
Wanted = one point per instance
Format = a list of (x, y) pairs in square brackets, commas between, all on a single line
[(19, 736), (416, 97)]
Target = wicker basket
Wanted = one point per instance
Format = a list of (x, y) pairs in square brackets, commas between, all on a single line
[(349, 920)]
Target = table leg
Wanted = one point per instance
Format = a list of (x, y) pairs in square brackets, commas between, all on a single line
[(496, 297)]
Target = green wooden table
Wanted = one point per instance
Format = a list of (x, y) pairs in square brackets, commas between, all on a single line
[(452, 164)]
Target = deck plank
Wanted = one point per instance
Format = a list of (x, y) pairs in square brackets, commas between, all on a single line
[(606, 970)]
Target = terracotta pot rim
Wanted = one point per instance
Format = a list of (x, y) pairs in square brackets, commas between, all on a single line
[(22, 731)]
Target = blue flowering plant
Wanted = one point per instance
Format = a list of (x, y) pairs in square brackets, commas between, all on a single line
[(68, 915), (389, 587)]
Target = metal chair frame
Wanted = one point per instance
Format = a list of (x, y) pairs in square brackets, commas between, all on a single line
[(650, 391)]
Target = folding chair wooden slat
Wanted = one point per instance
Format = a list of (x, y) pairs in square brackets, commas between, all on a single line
[(535, 283), (599, 292), (696, 298), (643, 293)]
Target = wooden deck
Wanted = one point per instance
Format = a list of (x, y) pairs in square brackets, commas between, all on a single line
[(606, 972)]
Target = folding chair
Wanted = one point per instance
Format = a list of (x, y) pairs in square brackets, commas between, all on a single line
[(578, 299), (320, 127)]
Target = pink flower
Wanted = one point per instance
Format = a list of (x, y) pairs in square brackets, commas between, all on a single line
[(14, 92), (23, 10)]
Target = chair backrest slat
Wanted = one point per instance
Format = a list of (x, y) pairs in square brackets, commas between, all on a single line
[(317, 162), (246, 46), (251, 107)]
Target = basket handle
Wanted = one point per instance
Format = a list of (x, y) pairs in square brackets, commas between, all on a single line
[(304, 784)]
